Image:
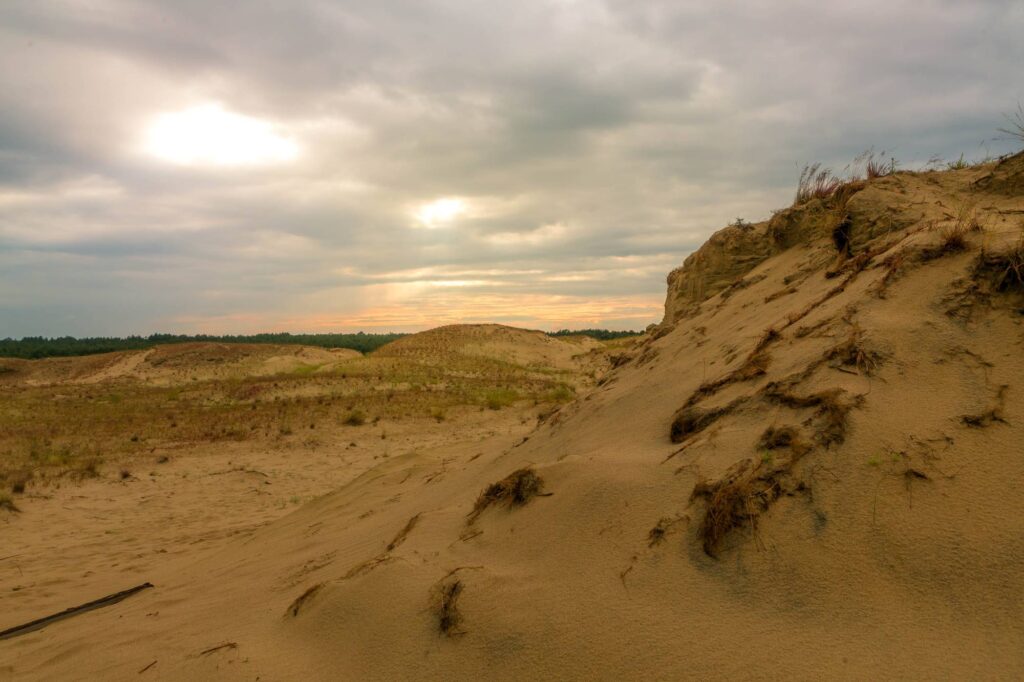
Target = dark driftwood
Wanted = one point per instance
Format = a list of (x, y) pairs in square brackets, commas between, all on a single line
[(73, 611)]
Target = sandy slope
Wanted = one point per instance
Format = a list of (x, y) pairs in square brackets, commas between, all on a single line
[(884, 539)]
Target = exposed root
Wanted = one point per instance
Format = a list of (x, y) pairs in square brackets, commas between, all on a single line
[(514, 490), (738, 499), (300, 601), (690, 421), (404, 533), (1002, 272), (851, 353), (754, 366), (994, 273), (657, 534), (367, 566), (780, 293), (895, 265), (785, 437), (831, 411)]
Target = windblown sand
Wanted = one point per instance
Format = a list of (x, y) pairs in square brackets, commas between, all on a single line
[(810, 470)]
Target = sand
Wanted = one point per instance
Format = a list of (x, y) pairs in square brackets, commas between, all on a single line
[(882, 538)]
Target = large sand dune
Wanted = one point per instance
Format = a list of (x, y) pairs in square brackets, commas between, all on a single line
[(810, 470)]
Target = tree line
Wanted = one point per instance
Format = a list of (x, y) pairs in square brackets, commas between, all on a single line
[(35, 347)]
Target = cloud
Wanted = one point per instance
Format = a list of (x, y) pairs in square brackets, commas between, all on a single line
[(592, 145)]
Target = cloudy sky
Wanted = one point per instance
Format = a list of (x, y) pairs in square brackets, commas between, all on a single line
[(336, 165)]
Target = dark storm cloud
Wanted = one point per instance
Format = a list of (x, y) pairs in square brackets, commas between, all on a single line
[(593, 143)]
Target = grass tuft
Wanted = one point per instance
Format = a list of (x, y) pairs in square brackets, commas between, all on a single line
[(816, 182), (515, 490), (7, 503), (1015, 124), (446, 606), (354, 418)]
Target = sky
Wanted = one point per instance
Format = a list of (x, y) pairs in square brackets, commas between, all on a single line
[(204, 166)]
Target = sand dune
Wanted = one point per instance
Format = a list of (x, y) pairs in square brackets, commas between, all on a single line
[(809, 470)]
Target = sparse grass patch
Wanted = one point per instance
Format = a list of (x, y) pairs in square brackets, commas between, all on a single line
[(515, 490), (732, 502), (19, 480), (783, 437), (563, 393), (1003, 271), (7, 504), (831, 411), (816, 182), (959, 164), (446, 607), (1015, 124), (499, 398), (354, 418)]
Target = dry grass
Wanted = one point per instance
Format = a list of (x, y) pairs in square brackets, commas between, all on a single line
[(737, 500), (55, 430), (692, 420), (894, 265), (404, 533), (851, 353), (657, 534), (515, 490), (1015, 124), (354, 418), (878, 167), (784, 437), (831, 411), (446, 606), (296, 606), (816, 182), (7, 504), (1002, 271)]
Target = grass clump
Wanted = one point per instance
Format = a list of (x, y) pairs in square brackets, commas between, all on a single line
[(1015, 124), (816, 182), (732, 502), (499, 398), (6, 503), (515, 490), (783, 437), (446, 607), (354, 418)]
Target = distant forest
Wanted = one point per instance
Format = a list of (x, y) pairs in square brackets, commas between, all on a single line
[(599, 334), (35, 347)]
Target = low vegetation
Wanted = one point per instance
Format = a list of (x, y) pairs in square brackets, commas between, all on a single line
[(36, 347), (73, 430), (515, 490)]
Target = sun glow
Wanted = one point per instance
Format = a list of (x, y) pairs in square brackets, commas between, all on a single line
[(440, 213), (208, 135)]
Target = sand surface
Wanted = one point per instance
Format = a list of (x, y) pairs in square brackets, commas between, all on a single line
[(811, 470)]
